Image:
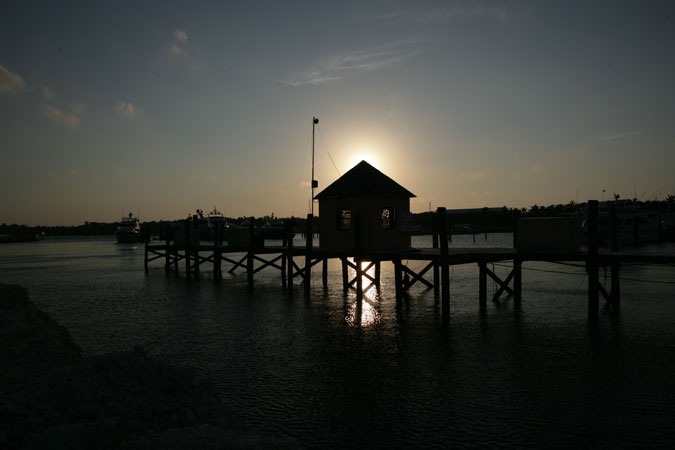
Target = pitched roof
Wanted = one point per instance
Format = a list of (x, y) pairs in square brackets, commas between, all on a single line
[(364, 179)]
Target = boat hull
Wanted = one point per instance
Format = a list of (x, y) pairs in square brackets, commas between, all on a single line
[(127, 238)]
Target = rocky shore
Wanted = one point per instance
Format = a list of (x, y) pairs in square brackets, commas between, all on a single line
[(53, 398)]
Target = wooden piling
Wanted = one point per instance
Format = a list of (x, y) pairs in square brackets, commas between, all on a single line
[(615, 267), (445, 268), (217, 274), (377, 275), (592, 262), (195, 251), (434, 241), (289, 255), (146, 239), (251, 249), (284, 245), (398, 279), (167, 253), (308, 252), (482, 284), (345, 274), (324, 273), (186, 225), (517, 281), (359, 279)]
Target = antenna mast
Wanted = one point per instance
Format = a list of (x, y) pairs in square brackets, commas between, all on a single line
[(315, 183)]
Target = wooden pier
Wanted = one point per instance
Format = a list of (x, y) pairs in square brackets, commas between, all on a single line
[(174, 252)]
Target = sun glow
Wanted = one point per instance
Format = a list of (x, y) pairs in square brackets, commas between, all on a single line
[(367, 154)]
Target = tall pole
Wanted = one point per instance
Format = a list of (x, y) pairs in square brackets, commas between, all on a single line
[(315, 121)]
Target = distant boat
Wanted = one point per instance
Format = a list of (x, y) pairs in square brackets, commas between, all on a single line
[(216, 219), (202, 226), (129, 230)]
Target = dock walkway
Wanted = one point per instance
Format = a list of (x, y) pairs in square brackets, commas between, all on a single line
[(254, 258)]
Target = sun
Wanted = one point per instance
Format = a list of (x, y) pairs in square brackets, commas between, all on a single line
[(367, 154)]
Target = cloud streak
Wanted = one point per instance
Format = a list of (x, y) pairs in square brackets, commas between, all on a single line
[(619, 135), (10, 81), (179, 44), (60, 117), (48, 92), (182, 48), (341, 65), (441, 15), (126, 109)]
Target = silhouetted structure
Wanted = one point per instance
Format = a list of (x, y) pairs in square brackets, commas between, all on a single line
[(179, 247), (364, 211)]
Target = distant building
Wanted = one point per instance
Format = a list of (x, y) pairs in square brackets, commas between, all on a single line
[(367, 206)]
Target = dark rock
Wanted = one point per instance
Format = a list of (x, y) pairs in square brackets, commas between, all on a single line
[(51, 398), (30, 340)]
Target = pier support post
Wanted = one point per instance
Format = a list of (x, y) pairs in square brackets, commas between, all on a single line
[(146, 239), (217, 274), (359, 279), (284, 246), (188, 269), (434, 240), (398, 279), (324, 273), (377, 275), (445, 269), (308, 252), (517, 281), (345, 274), (592, 262), (251, 250), (167, 250), (615, 293), (482, 284), (289, 255), (195, 251)]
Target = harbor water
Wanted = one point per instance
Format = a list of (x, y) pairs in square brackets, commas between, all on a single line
[(334, 373)]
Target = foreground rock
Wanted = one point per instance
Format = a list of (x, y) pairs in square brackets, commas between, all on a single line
[(30, 340), (51, 398)]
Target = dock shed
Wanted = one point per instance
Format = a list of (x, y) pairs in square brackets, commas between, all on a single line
[(364, 211)]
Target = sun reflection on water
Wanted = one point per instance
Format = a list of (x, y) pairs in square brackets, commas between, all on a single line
[(364, 312)]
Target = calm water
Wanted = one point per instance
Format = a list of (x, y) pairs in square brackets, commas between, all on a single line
[(336, 375)]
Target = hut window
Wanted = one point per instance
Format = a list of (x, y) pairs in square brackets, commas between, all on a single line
[(388, 218), (344, 219)]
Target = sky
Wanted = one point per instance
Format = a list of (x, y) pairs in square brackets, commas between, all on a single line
[(161, 108)]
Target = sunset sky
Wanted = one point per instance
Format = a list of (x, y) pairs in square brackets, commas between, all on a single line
[(165, 107)]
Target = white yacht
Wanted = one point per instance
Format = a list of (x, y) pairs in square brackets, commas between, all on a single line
[(129, 229)]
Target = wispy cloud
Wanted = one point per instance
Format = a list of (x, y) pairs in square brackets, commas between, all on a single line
[(619, 135), (61, 174), (60, 117), (10, 81), (181, 47), (338, 66), (126, 109), (48, 92), (179, 44), (441, 15)]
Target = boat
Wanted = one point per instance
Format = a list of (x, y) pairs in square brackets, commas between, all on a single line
[(217, 219), (129, 230), (202, 226)]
